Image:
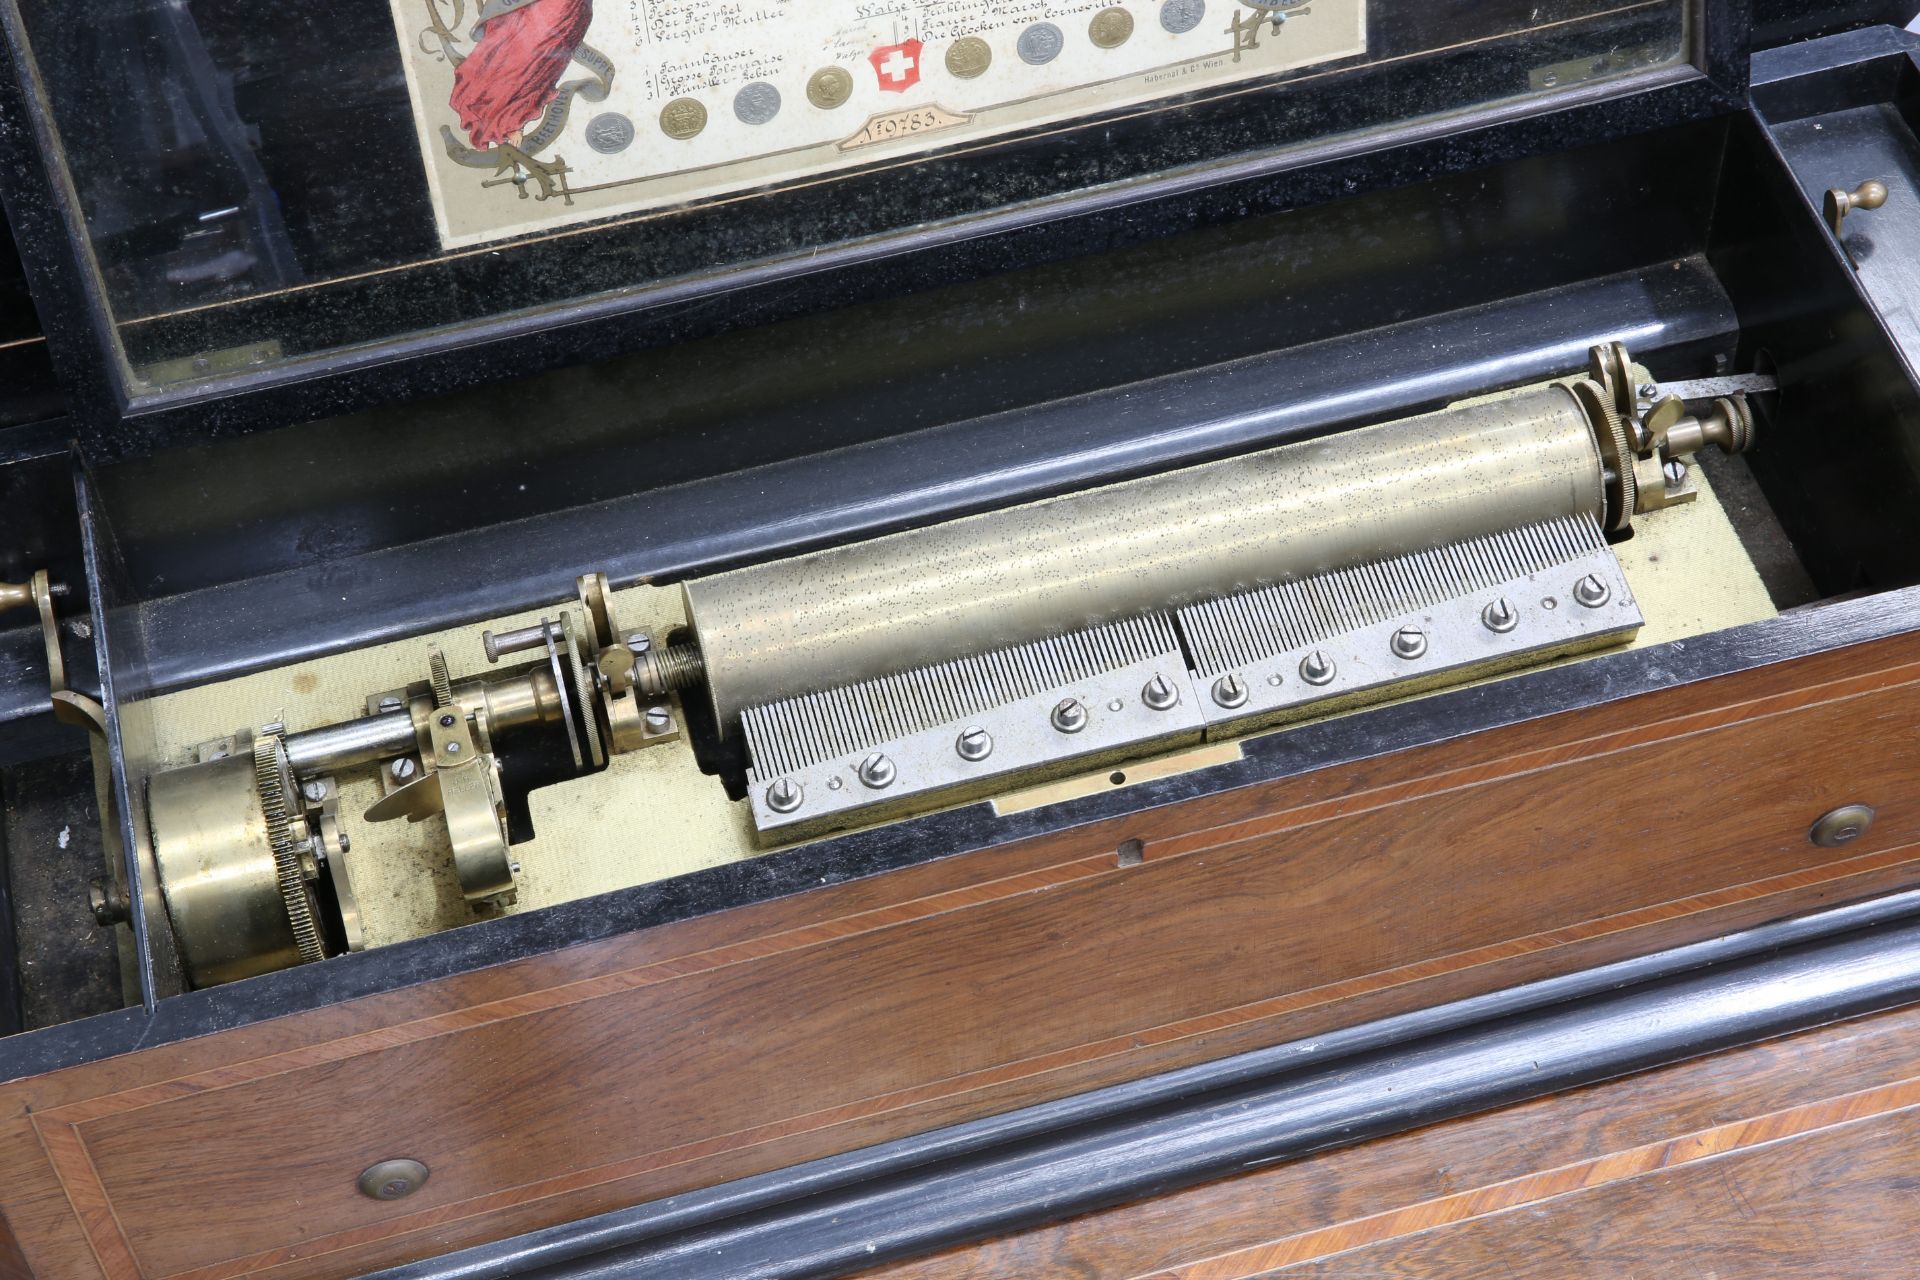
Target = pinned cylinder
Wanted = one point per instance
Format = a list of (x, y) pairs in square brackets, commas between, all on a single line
[(986, 582)]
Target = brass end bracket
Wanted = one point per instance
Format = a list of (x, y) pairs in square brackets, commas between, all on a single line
[(1647, 434), (68, 707)]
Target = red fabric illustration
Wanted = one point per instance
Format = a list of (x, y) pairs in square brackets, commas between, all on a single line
[(515, 66)]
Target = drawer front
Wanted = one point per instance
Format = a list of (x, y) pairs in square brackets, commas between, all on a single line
[(1253, 917)]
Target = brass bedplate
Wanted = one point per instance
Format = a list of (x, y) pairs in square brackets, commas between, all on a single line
[(971, 659)]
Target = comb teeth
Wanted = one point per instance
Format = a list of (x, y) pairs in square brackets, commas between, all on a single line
[(1238, 631), (1219, 636), (786, 736)]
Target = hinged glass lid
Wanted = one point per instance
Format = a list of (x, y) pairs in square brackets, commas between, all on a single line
[(263, 188)]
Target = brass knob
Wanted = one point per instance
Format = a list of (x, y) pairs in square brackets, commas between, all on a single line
[(1870, 194)]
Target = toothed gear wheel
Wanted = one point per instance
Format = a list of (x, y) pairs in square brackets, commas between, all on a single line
[(273, 783), (1616, 450), (441, 681), (1629, 486)]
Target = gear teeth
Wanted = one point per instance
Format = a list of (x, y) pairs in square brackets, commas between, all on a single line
[(1739, 416), (1629, 481), (1616, 450), (442, 682), (269, 778)]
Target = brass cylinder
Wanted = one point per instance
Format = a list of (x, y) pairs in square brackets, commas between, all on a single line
[(1010, 577), (217, 871), (517, 701)]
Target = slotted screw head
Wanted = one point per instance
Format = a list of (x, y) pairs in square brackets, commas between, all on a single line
[(785, 795), (1675, 472), (877, 770), (974, 743), (1070, 716), (1409, 642), (659, 719), (314, 791), (1159, 694), (402, 768), (1230, 691), (1317, 668), (1499, 616), (1592, 592), (639, 642)]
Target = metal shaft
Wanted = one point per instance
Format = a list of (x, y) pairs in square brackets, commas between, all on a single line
[(354, 742), (970, 586), (519, 640)]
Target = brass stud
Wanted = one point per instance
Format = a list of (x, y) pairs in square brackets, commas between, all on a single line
[(1842, 826), (393, 1179)]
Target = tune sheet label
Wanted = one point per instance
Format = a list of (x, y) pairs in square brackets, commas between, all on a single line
[(538, 114)]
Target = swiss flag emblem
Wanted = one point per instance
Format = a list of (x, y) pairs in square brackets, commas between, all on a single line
[(897, 65)]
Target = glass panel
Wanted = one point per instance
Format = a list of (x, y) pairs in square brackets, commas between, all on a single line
[(263, 184), (28, 392)]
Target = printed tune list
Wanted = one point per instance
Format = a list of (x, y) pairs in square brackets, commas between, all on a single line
[(536, 114)]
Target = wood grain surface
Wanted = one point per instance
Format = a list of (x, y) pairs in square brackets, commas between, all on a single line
[(1797, 1158), (612, 1073)]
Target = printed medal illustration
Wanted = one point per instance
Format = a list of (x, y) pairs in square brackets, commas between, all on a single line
[(712, 101)]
